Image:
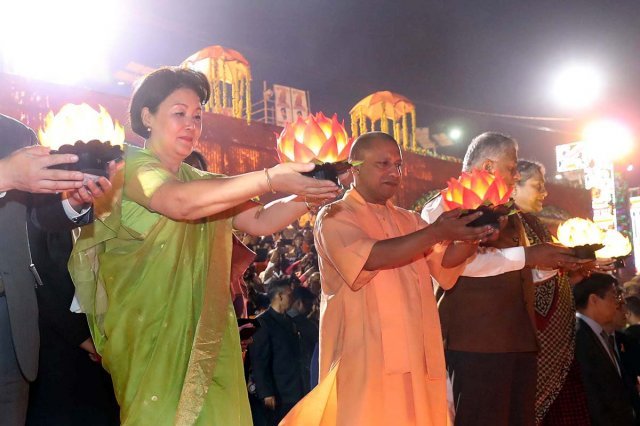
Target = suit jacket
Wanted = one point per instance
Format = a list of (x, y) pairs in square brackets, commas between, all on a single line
[(70, 388), (309, 335), (276, 358), (16, 207), (491, 314), (633, 332), (629, 350), (608, 396), (50, 253)]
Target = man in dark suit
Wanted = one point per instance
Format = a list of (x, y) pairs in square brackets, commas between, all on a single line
[(609, 391), (72, 388), (303, 301), (24, 170), (276, 357), (633, 318), (628, 352)]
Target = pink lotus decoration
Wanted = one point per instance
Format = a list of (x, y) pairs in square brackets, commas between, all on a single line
[(315, 139), (318, 140), (478, 190)]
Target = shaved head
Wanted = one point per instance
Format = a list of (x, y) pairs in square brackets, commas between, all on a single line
[(366, 142), (379, 174)]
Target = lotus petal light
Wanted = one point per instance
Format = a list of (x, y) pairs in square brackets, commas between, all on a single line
[(475, 189), (578, 232), (616, 245), (79, 123), (85, 132), (315, 139)]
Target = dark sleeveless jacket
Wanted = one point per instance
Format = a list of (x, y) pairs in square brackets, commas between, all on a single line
[(491, 314)]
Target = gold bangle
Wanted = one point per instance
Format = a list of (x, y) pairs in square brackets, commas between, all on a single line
[(260, 209), (266, 173), (312, 209)]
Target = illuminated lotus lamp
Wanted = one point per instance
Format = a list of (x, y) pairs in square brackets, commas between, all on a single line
[(616, 246), (479, 191), (582, 235), (81, 123), (316, 139)]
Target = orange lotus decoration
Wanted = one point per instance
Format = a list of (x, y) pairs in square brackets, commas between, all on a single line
[(479, 191), (316, 139), (475, 189)]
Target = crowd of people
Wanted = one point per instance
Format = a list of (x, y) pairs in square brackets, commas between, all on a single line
[(187, 302)]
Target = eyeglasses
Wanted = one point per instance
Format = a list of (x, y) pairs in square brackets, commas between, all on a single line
[(618, 297)]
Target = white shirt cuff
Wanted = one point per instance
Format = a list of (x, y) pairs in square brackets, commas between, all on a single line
[(71, 212), (540, 275), (491, 261), (75, 306)]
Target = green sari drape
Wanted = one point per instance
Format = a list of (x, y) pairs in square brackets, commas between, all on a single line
[(156, 292)]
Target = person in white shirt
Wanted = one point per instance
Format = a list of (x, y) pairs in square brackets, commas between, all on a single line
[(487, 317)]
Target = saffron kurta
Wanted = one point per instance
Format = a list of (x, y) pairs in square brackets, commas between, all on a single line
[(157, 294), (380, 338)]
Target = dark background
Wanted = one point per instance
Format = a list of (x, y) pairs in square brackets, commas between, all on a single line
[(495, 57)]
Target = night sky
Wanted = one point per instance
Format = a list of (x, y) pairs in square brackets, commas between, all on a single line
[(489, 56)]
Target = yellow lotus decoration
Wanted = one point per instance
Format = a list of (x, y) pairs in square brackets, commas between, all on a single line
[(577, 232), (79, 123), (615, 245)]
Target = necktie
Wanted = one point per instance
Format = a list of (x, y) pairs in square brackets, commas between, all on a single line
[(611, 348)]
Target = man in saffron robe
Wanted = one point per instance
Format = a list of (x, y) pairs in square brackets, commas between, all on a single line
[(381, 353)]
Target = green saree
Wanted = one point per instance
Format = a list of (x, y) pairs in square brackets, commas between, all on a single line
[(156, 292)]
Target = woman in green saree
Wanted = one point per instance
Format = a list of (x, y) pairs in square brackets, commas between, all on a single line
[(153, 271)]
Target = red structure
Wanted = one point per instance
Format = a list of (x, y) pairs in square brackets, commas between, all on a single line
[(232, 147)]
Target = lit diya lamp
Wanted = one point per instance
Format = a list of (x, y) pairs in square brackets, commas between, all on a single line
[(616, 246), (98, 139), (479, 191), (582, 235), (316, 139)]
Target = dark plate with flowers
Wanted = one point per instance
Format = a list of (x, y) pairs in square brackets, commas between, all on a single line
[(490, 215), (586, 251), (329, 171), (93, 157)]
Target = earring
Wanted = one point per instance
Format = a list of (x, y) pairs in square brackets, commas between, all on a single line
[(149, 129)]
